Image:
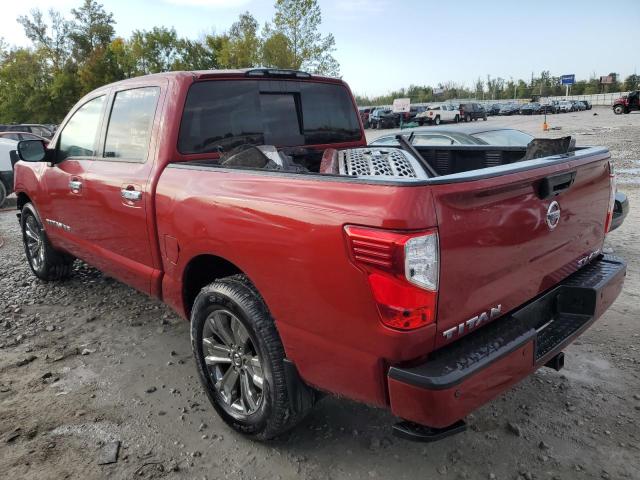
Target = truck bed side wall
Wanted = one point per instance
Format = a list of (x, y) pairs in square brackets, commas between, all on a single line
[(286, 234)]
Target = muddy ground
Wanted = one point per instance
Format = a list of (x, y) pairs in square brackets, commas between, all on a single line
[(88, 363)]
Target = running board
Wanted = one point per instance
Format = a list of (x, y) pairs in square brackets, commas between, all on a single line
[(420, 433)]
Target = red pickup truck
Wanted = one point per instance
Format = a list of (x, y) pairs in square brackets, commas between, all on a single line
[(424, 279)]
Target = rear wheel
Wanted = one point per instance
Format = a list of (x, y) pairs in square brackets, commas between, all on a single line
[(484, 118), (240, 359), (456, 119), (467, 118), (46, 262)]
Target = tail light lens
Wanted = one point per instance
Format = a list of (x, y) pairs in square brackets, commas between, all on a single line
[(402, 270), (612, 198)]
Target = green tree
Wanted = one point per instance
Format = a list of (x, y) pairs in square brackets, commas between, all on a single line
[(92, 28), (243, 47), (299, 21), (156, 50), (632, 82)]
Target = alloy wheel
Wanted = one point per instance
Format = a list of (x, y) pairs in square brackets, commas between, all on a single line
[(233, 363), (34, 241)]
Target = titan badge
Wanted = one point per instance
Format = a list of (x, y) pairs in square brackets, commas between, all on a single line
[(473, 322), (57, 224)]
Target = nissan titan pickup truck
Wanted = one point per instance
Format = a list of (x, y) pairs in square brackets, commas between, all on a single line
[(422, 279)]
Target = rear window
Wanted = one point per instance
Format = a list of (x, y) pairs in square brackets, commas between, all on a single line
[(221, 115)]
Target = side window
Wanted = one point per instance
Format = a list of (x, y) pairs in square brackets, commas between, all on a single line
[(130, 122), (78, 137)]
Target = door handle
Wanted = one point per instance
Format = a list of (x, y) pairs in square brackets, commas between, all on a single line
[(130, 194), (75, 185)]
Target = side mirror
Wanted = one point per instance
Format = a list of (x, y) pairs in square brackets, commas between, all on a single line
[(32, 151)]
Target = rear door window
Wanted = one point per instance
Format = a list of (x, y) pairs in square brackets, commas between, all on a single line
[(130, 123), (220, 115)]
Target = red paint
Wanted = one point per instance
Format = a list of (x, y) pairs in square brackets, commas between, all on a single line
[(287, 234)]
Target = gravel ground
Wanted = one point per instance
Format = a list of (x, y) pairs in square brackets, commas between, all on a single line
[(97, 380)]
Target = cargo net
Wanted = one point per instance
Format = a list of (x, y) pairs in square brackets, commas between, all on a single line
[(367, 162)]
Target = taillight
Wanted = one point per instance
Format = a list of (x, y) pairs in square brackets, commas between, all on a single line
[(402, 270), (612, 198)]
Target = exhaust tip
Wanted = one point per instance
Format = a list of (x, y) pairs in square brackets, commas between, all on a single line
[(557, 362)]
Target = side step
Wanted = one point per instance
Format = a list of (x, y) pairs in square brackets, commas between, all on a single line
[(420, 433)]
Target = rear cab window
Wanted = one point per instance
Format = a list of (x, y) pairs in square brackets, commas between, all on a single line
[(220, 115)]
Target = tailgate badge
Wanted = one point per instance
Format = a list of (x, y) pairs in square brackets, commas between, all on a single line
[(553, 215), (473, 322)]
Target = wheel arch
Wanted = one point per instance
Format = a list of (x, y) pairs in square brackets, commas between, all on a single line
[(200, 271), (22, 200)]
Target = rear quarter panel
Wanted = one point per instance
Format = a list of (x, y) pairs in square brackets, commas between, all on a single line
[(286, 233)]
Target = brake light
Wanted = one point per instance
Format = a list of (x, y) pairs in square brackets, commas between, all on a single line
[(402, 270), (612, 198)]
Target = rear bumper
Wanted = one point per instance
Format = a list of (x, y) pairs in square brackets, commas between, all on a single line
[(459, 378), (620, 210)]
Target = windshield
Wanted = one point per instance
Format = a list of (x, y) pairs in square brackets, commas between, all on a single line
[(506, 137), (220, 115)]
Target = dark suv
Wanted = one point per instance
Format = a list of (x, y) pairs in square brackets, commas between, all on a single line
[(472, 111), (36, 129)]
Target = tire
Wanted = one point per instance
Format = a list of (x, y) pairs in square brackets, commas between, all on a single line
[(467, 118), (618, 109), (248, 385), (456, 119), (46, 262), (484, 118), (437, 120), (3, 194)]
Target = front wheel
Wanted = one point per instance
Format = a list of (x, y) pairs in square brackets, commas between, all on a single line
[(437, 120), (241, 360), (456, 119), (484, 118), (46, 262), (467, 118), (618, 109)]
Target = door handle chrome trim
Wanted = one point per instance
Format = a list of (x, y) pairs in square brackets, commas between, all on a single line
[(75, 185), (132, 195)]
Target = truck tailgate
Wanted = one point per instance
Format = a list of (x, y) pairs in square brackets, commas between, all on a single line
[(500, 245)]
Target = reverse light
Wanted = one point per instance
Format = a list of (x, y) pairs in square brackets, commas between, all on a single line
[(612, 198), (402, 270)]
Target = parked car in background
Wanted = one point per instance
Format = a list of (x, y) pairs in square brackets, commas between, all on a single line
[(364, 116), (439, 113), (472, 111), (461, 135), (565, 106), (578, 106), (587, 104), (547, 108), (7, 146), (509, 109), (413, 112), (17, 136), (493, 109), (40, 130), (384, 118), (530, 108)]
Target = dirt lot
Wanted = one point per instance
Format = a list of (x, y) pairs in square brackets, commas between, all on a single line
[(89, 362)]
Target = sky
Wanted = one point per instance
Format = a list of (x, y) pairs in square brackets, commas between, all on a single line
[(383, 45)]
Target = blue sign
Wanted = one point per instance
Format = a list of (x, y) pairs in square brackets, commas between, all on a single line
[(568, 79)]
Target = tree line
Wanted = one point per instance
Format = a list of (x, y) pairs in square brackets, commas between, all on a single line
[(500, 89), (70, 56)]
